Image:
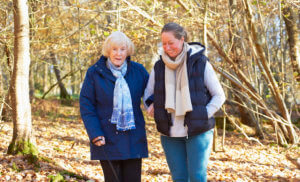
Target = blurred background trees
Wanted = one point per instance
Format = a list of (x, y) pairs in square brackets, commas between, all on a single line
[(254, 45)]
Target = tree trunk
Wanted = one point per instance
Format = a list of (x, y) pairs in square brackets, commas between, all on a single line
[(46, 69), (72, 77), (2, 96), (1, 85), (31, 82), (290, 19), (45, 79), (6, 112), (63, 91), (32, 9), (246, 117), (246, 87), (5, 115), (23, 141), (288, 131)]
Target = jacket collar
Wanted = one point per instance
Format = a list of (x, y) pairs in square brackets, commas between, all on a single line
[(102, 68), (196, 48), (195, 52)]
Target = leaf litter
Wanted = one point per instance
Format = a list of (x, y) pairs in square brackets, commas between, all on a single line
[(64, 153)]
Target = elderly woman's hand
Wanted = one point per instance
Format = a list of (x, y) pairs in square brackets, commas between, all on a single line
[(150, 110), (99, 141)]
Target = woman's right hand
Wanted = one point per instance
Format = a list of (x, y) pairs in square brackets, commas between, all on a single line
[(99, 141), (150, 110)]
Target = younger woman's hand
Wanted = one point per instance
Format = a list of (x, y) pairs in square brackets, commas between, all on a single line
[(150, 110), (99, 141)]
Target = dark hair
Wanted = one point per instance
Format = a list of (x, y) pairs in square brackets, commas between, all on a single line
[(177, 30)]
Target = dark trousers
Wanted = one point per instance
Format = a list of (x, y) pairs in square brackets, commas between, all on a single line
[(127, 170)]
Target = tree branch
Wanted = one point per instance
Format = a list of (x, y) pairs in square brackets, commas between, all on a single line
[(62, 78), (143, 13)]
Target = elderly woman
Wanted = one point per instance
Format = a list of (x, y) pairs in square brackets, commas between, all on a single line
[(110, 101), (187, 93)]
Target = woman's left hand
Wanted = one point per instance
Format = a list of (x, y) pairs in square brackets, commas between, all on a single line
[(99, 141), (150, 110)]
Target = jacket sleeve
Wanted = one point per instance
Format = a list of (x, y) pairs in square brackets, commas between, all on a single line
[(212, 83), (88, 110), (149, 91)]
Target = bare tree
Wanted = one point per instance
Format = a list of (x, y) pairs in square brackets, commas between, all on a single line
[(290, 19), (23, 140), (287, 127), (246, 117), (63, 91), (5, 113)]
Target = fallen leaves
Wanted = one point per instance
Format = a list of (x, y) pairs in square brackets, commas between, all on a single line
[(64, 145)]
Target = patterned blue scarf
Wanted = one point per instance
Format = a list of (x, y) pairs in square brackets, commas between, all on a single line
[(122, 114)]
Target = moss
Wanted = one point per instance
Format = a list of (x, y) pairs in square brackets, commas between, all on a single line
[(46, 159), (71, 174), (60, 177), (15, 167), (22, 147), (25, 148), (57, 149), (57, 178)]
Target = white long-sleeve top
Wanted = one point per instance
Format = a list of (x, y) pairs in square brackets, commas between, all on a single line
[(214, 87)]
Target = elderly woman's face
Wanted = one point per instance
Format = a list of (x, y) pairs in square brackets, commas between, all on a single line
[(118, 54), (172, 46)]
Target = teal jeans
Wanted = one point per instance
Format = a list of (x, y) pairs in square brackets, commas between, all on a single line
[(188, 157)]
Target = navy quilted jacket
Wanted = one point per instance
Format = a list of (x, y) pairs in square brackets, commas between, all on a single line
[(96, 106)]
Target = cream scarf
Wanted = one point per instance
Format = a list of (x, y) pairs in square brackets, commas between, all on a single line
[(178, 98)]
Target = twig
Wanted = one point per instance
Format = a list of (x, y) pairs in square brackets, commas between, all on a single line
[(66, 75), (185, 7), (143, 13), (241, 129)]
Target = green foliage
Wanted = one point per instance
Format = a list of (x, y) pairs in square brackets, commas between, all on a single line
[(285, 145), (56, 178), (177, 6), (38, 87), (22, 147), (60, 177), (149, 2), (263, 3), (15, 167), (38, 94), (71, 174), (275, 145), (297, 123), (75, 96), (46, 159), (106, 34), (25, 148), (57, 149)]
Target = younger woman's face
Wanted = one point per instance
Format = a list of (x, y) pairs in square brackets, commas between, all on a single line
[(171, 45), (118, 54)]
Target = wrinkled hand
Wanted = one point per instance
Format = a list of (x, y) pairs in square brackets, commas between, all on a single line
[(150, 110), (99, 141)]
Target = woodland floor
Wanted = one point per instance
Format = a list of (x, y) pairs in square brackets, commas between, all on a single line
[(64, 145)]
